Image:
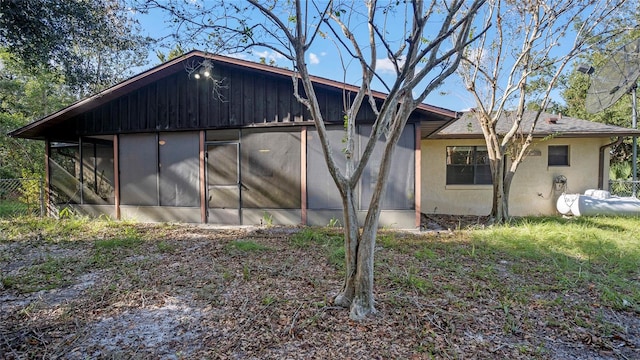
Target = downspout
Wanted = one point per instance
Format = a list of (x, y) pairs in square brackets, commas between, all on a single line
[(601, 161)]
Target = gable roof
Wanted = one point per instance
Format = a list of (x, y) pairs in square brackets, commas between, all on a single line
[(467, 127), (38, 129)]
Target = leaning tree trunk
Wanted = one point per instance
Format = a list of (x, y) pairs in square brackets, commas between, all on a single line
[(497, 208), (506, 188)]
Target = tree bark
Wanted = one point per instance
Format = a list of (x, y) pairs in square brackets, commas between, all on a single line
[(345, 296)]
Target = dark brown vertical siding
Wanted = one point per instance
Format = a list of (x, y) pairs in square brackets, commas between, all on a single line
[(334, 110), (284, 94), (259, 113), (248, 99), (172, 101), (163, 104), (221, 99), (202, 104), (123, 116), (179, 96), (235, 104), (192, 106), (270, 101), (134, 112), (143, 109), (152, 106), (239, 97)]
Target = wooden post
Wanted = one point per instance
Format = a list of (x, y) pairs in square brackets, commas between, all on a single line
[(47, 178), (418, 178), (116, 176), (203, 184), (303, 175)]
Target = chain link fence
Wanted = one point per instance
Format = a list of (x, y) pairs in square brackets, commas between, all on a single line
[(624, 187), (19, 197)]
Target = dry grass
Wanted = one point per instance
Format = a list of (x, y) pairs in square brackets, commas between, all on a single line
[(159, 291)]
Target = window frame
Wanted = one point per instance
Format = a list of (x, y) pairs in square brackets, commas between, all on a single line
[(565, 156), (476, 181)]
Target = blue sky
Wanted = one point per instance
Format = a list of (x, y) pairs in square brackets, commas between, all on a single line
[(323, 60)]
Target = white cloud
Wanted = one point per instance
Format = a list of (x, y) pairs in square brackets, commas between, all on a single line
[(269, 56), (313, 59), (385, 66)]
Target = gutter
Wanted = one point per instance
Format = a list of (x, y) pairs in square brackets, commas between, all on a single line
[(601, 161)]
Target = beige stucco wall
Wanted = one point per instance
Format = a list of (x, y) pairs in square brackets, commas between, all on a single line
[(532, 190)]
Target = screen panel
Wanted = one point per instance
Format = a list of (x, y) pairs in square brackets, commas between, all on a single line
[(138, 169), (322, 192), (179, 164), (270, 169), (400, 189)]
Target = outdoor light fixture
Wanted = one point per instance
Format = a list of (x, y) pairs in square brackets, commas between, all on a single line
[(201, 69)]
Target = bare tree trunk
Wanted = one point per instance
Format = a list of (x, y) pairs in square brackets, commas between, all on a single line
[(351, 239), (363, 302), (508, 178), (498, 209)]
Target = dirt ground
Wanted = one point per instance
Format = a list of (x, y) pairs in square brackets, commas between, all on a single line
[(198, 292)]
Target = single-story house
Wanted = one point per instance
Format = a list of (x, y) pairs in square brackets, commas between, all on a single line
[(212, 139), (568, 155)]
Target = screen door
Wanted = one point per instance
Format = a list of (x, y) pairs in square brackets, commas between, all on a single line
[(223, 184)]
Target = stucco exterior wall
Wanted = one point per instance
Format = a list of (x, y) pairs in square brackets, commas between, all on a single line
[(532, 191)]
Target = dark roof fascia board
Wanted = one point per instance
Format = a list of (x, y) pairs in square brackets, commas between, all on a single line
[(174, 66), (106, 95)]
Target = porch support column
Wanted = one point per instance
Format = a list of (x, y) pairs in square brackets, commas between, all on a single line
[(47, 178), (303, 175), (116, 176), (203, 185), (418, 173)]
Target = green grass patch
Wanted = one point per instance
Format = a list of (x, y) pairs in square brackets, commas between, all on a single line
[(69, 229), (165, 247), (50, 273), (246, 246), (575, 253), (330, 240), (314, 235), (110, 252), (12, 208)]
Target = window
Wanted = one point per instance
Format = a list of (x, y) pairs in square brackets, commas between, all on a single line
[(468, 165), (558, 155)]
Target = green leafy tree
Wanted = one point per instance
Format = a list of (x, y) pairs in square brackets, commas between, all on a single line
[(25, 95), (52, 53), (176, 52), (90, 43)]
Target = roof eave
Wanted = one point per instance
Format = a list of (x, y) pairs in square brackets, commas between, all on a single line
[(172, 66)]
